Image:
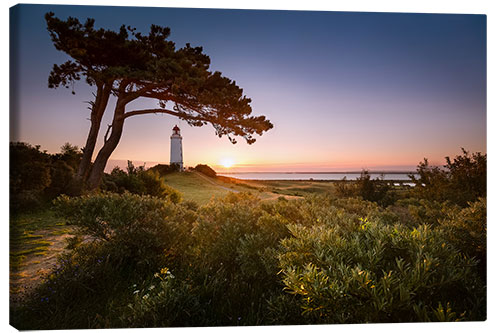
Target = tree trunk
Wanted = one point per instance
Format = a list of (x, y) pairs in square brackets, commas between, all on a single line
[(102, 97), (109, 146)]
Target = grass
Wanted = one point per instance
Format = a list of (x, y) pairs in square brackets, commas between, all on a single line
[(294, 188), (193, 187), (299, 187), (35, 238), (202, 189), (27, 232)]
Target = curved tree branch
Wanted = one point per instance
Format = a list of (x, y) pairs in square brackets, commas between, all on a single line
[(131, 66), (165, 111)]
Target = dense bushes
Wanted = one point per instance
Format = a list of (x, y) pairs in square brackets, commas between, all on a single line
[(137, 180), (165, 169), (142, 258), (29, 176), (37, 177), (378, 273), (460, 181), (228, 271), (240, 261), (126, 239), (375, 190), (466, 230), (137, 228)]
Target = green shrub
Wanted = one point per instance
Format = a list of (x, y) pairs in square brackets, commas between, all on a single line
[(345, 189), (233, 262), (61, 175), (428, 212), (29, 176), (379, 274), (126, 238), (163, 302), (460, 181), (37, 177), (139, 181), (466, 230), (220, 226), (71, 155), (136, 229), (242, 261), (76, 292), (229, 270), (165, 169), (375, 190), (63, 171), (371, 189)]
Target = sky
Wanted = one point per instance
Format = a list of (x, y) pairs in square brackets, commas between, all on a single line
[(344, 90)]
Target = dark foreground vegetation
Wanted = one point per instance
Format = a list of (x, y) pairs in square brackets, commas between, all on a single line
[(37, 177), (365, 254)]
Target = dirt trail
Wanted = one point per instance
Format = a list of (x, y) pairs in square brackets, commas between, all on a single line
[(211, 181), (272, 196), (34, 267)]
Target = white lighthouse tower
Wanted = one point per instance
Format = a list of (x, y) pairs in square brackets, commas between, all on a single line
[(176, 147)]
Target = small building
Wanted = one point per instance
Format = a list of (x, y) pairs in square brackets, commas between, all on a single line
[(176, 147)]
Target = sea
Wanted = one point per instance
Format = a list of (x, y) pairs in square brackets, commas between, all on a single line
[(398, 176)]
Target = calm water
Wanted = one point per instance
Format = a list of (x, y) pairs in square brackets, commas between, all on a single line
[(308, 176)]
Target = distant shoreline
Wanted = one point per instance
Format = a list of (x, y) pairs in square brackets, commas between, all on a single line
[(317, 172), (399, 176)]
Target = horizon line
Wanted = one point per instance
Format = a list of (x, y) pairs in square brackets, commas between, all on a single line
[(318, 172), (261, 168)]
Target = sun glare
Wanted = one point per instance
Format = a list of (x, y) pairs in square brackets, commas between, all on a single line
[(227, 162)]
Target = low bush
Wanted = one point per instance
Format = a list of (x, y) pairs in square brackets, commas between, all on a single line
[(146, 261), (165, 169), (460, 181), (428, 212), (77, 292), (380, 274), (164, 302), (137, 180), (137, 229), (231, 261), (37, 177), (375, 190), (126, 237), (466, 230), (206, 170)]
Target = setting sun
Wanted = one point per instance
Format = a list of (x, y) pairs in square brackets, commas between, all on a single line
[(227, 162)]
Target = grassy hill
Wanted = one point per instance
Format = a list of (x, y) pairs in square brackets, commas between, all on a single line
[(197, 187), (201, 189)]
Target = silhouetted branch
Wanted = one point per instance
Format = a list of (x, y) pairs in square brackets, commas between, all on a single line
[(165, 111), (107, 133)]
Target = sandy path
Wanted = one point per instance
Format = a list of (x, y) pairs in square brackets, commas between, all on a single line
[(35, 267)]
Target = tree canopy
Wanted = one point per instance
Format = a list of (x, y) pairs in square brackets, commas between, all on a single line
[(130, 65)]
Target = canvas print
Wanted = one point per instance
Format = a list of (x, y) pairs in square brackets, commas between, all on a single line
[(183, 167)]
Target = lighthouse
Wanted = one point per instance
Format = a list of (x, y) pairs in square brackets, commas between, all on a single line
[(176, 147)]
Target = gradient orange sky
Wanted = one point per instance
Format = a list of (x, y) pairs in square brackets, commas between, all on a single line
[(345, 91)]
